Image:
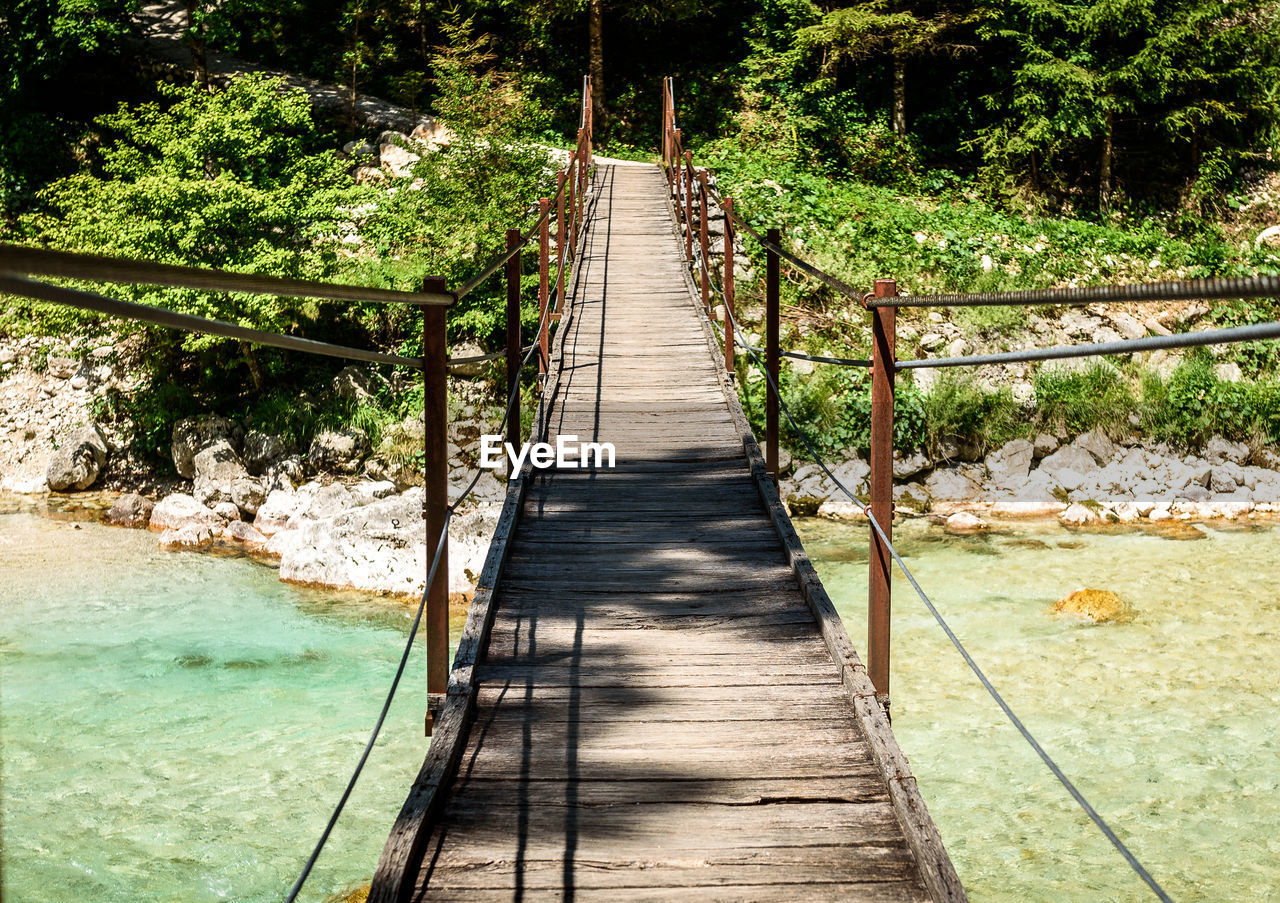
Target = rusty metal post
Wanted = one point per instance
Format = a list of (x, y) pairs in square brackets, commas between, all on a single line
[(673, 171), (687, 176), (560, 237), (570, 205), (704, 244), (883, 339), (665, 127), (582, 180), (773, 317), (435, 499), (544, 286), (513, 337), (730, 311)]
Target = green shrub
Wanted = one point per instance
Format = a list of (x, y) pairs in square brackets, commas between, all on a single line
[(958, 408), (1078, 401)]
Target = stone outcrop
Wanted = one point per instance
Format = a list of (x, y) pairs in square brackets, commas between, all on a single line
[(192, 435), (341, 450), (178, 511), (78, 460)]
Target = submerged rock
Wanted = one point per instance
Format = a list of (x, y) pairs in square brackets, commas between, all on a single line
[(964, 522), (131, 510), (1097, 605)]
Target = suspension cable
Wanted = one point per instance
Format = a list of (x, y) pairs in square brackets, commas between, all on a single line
[(382, 716)]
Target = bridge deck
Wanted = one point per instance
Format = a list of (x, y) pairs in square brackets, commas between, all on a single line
[(657, 716)]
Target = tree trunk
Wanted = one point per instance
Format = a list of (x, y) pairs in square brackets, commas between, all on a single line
[(255, 368), (196, 38), (899, 95), (595, 66), (1104, 167), (355, 68)]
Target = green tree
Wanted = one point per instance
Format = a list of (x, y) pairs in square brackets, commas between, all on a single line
[(902, 29), (1092, 81), (231, 179)]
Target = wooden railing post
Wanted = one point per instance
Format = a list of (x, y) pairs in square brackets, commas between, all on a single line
[(435, 497), (687, 175), (730, 312), (513, 339), (560, 239), (544, 286), (772, 320), (704, 244), (883, 335)]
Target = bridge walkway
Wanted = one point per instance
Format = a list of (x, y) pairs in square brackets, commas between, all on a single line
[(658, 714)]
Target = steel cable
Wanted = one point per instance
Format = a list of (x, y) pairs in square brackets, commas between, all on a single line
[(1253, 333), (955, 641), (382, 716)]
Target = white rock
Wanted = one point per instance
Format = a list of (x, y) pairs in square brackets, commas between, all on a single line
[(1078, 516), (177, 511), (965, 522)]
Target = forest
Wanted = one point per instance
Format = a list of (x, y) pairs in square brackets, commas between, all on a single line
[(952, 145)]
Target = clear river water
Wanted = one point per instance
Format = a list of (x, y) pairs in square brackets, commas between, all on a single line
[(177, 726)]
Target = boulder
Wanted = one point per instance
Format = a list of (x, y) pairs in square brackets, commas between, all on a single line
[(190, 537), (1069, 466), (399, 161), (78, 460), (131, 510), (1218, 450), (321, 503), (1097, 605), (174, 512), (286, 473), (355, 384), (248, 495), (910, 465), (274, 513), (1096, 443), (242, 534), (1010, 464), (369, 492), (193, 434), (945, 484), (339, 450), (1044, 444), (965, 522), (1079, 516), (261, 450), (911, 497), (216, 468), (227, 510)]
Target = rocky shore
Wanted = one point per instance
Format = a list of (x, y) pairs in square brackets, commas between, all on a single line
[(1085, 480), (338, 513)]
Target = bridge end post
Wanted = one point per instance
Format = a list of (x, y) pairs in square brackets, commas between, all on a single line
[(513, 338), (773, 317), (730, 312), (435, 498), (883, 338)]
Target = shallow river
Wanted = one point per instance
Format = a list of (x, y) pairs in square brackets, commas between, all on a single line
[(176, 727), (1169, 724)]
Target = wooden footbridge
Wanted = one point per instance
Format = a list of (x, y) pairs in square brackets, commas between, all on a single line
[(654, 698)]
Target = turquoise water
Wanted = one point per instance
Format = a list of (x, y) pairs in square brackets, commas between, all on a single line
[(178, 727), (1169, 724)]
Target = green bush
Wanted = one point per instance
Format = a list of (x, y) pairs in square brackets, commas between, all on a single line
[(1078, 401)]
